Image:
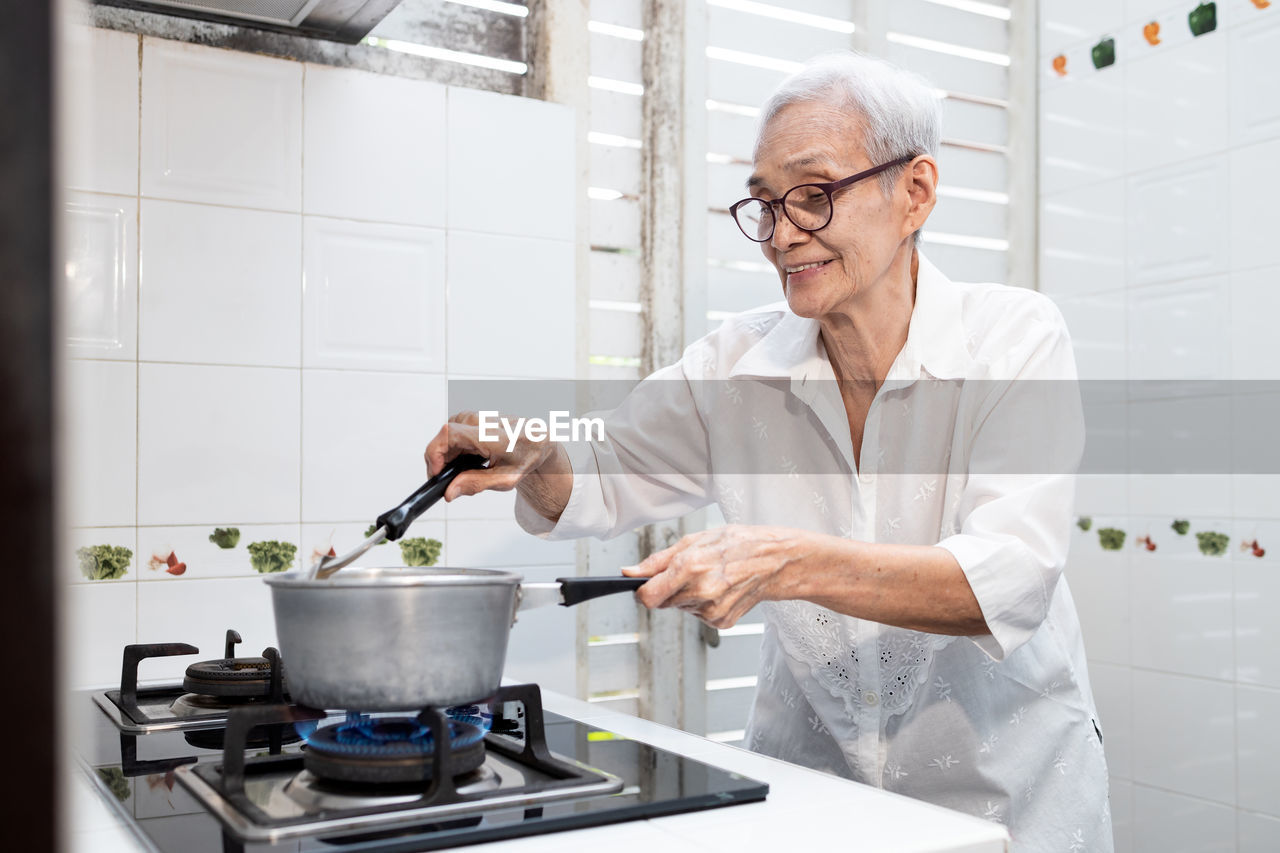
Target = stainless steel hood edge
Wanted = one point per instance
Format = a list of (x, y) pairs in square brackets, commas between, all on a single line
[(346, 21)]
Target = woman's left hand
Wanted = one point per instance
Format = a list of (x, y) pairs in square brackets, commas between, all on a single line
[(720, 574)]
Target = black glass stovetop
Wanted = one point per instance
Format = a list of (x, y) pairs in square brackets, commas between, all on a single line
[(141, 772)]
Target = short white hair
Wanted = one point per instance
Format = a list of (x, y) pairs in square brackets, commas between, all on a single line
[(899, 112)]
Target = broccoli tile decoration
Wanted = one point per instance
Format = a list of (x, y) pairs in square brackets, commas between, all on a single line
[(104, 562), (225, 537), (372, 529), (1203, 19), (1104, 53), (1212, 543), (1084, 522), (1111, 538), (271, 556), (1181, 526), (420, 551)]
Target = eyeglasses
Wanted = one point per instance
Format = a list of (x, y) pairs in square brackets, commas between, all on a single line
[(808, 206)]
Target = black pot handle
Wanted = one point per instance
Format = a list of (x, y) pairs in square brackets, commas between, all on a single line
[(577, 590), (397, 521)]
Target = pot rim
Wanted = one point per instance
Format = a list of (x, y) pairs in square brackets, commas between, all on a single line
[(366, 577)]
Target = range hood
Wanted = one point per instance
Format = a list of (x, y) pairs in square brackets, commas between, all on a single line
[(338, 20)]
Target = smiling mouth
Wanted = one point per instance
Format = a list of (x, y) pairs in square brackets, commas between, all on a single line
[(803, 267)]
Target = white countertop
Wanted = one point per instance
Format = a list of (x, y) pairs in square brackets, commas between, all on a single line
[(804, 808)]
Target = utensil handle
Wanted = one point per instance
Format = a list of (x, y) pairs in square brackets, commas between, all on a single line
[(397, 521), (577, 590)]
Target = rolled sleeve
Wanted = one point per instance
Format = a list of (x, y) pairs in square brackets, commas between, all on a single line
[(584, 514), (651, 465), (1014, 514)]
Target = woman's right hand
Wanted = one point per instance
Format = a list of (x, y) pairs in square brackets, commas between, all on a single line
[(539, 470)]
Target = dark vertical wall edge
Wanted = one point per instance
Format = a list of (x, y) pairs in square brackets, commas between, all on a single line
[(28, 622)]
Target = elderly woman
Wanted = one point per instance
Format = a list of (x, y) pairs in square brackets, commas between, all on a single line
[(897, 485)]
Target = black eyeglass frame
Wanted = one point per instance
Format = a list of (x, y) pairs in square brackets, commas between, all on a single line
[(829, 189)]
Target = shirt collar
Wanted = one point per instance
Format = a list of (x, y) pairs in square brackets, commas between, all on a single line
[(936, 340)]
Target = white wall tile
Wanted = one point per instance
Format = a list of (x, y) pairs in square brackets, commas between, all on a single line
[(1257, 600), (198, 557), (1182, 616), (1113, 693), (220, 285), (1255, 303), (1257, 833), (1122, 814), (199, 612), (221, 126), (1255, 458), (1098, 334), (100, 276), (511, 306), (373, 147), (1178, 331), (374, 296), (1257, 711), (1064, 23), (1163, 822), (101, 145), (217, 443), (1082, 240), (503, 544), (1184, 740), (511, 165), (1254, 183), (1254, 55), (101, 620), (542, 644), (1176, 227), (1082, 138), (363, 437), (1099, 583), (1176, 104), (100, 418)]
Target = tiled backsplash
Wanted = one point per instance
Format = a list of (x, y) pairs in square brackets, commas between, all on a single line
[(1158, 225), (272, 271)]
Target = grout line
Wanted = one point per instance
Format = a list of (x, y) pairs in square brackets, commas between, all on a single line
[(302, 291), (137, 348)]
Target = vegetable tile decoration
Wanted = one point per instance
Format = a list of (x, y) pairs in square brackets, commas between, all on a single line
[(104, 562), (271, 556), (1203, 19), (1111, 538), (1104, 53), (420, 551), (1212, 543), (225, 537)]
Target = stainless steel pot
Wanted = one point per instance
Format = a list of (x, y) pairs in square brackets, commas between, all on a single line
[(402, 639)]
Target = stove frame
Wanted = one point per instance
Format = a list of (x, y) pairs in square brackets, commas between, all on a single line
[(221, 787)]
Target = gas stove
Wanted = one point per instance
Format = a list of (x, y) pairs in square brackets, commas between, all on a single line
[(242, 768)]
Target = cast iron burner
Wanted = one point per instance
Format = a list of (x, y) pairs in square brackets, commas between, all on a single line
[(231, 677), (382, 750)]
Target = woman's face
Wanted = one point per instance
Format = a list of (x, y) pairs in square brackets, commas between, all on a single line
[(810, 142)]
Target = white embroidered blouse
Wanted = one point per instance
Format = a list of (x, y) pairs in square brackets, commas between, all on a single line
[(970, 444)]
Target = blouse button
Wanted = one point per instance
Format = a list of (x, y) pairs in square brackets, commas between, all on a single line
[(871, 698)]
